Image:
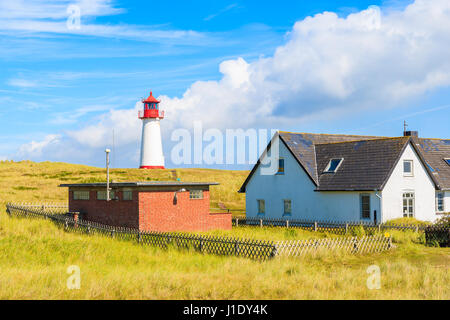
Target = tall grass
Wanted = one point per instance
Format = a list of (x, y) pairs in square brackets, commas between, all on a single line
[(35, 254)]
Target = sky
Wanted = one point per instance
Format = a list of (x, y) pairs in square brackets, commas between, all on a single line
[(69, 89)]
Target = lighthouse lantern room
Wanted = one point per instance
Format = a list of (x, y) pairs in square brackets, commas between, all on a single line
[(151, 145)]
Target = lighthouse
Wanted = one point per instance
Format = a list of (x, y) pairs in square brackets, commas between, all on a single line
[(151, 146)]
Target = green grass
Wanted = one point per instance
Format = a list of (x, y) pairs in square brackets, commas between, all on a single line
[(35, 254)]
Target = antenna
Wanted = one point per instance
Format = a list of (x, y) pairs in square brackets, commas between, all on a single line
[(113, 151), (107, 174), (405, 125)]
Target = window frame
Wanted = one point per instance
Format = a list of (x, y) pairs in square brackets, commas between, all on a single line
[(285, 213), (192, 195), (127, 191), (437, 201), (281, 172), (327, 168), (408, 174), (413, 198), (361, 206), (80, 192), (112, 195), (258, 204)]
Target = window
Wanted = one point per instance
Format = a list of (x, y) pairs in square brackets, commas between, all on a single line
[(365, 205), (280, 166), (407, 167), (101, 195), (195, 194), (261, 206), (287, 207), (333, 165), (447, 160), (81, 195), (408, 204), (127, 195), (439, 202)]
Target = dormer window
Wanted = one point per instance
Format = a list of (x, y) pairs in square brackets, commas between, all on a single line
[(447, 160), (280, 166), (408, 168), (333, 165)]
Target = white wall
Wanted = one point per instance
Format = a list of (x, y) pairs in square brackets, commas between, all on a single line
[(296, 185), (447, 201), (420, 183)]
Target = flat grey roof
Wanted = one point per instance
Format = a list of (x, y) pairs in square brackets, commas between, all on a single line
[(140, 184)]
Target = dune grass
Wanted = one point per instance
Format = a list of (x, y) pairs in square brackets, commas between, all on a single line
[(35, 254), (30, 181)]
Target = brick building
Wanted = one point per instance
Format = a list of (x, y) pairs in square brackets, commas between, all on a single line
[(149, 206)]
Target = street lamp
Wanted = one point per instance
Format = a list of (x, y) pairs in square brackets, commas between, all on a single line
[(107, 174)]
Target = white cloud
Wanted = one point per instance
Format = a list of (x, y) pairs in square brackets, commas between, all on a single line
[(34, 17), (21, 83), (35, 149), (369, 59)]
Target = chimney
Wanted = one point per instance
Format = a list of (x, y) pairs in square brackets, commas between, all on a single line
[(410, 133)]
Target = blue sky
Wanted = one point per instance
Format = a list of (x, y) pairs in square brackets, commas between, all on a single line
[(355, 67)]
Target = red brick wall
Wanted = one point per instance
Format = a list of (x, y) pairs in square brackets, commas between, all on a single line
[(157, 211), (116, 213), (219, 220)]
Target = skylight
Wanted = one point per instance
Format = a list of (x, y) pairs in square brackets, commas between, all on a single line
[(333, 165), (447, 160)]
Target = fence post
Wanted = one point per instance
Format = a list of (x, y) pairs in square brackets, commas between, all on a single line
[(315, 226), (379, 228), (287, 223), (139, 236), (66, 225), (346, 228), (260, 223), (417, 228), (201, 245), (236, 248), (237, 222)]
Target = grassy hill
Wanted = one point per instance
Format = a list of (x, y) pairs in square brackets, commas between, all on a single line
[(38, 182), (35, 254)]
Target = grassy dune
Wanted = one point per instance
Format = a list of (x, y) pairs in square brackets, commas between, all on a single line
[(35, 254), (31, 181)]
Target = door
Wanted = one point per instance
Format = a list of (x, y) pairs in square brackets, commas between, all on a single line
[(408, 204)]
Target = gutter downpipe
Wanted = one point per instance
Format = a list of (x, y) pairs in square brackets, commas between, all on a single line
[(381, 205)]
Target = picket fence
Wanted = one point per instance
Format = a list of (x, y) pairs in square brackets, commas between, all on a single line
[(248, 248)]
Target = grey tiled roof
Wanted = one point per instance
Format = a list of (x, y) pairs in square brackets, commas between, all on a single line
[(368, 160), (302, 145), (367, 164), (434, 151), (140, 184)]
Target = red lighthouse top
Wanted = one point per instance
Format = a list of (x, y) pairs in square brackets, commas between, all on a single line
[(151, 108)]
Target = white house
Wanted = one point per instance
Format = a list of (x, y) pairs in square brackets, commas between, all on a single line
[(350, 178)]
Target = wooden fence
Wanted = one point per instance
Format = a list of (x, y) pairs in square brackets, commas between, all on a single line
[(367, 244), (342, 228), (253, 249), (248, 248)]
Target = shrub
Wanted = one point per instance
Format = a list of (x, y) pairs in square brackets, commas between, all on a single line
[(357, 231), (410, 221)]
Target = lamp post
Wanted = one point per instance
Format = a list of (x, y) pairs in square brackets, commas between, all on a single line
[(107, 174)]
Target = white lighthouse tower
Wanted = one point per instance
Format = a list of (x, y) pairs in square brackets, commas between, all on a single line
[(151, 146)]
